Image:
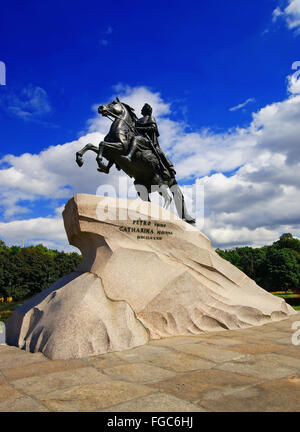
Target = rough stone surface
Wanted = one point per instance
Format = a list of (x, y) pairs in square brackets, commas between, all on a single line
[(138, 281), (74, 318)]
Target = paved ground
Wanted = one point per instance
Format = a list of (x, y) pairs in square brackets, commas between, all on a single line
[(256, 369)]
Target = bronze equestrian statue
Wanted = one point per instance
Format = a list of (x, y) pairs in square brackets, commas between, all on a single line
[(132, 145)]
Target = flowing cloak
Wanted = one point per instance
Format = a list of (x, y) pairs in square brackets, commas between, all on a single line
[(147, 126)]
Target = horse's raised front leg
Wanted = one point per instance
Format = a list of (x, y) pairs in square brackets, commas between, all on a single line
[(100, 152), (109, 147), (81, 152), (104, 168), (115, 147), (101, 166)]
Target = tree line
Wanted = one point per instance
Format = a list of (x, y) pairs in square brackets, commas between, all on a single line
[(274, 268), (25, 272)]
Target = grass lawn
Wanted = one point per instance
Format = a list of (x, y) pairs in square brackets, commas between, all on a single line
[(292, 299)]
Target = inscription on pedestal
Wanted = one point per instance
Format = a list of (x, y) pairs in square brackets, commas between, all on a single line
[(147, 230)]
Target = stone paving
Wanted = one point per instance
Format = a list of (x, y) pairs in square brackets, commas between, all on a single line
[(256, 369)]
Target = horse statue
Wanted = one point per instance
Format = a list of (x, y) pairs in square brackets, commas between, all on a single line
[(146, 167)]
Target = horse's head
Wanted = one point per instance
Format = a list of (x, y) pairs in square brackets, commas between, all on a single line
[(113, 109), (117, 109)]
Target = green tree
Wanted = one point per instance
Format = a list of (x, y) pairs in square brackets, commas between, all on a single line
[(287, 241), (275, 267), (282, 270), (27, 271)]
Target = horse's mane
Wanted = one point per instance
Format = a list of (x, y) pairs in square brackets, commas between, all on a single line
[(131, 112)]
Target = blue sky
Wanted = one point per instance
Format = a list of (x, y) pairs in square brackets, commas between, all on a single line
[(208, 68), (204, 58)]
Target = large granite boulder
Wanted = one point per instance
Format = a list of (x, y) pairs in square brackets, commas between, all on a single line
[(145, 274)]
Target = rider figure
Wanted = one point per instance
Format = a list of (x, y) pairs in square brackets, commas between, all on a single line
[(147, 127)]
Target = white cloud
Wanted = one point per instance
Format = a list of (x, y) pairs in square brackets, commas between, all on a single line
[(277, 12), (30, 103), (231, 235), (51, 174), (276, 127), (254, 205), (35, 230), (291, 14), (242, 105), (138, 96)]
